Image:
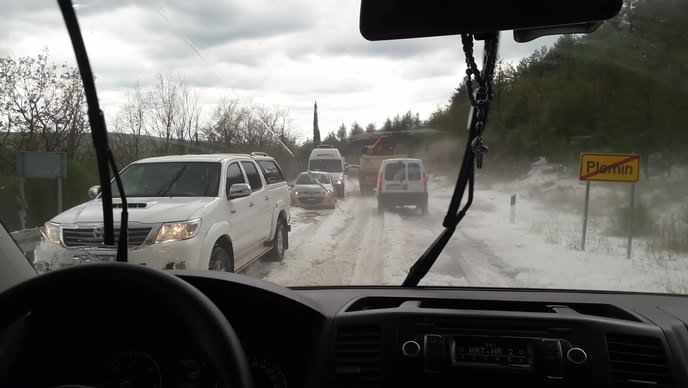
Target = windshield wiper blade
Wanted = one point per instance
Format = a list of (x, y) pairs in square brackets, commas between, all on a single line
[(174, 180), (472, 156), (96, 119)]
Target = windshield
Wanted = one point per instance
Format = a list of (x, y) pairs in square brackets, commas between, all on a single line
[(584, 186), (170, 180), (327, 165), (312, 179)]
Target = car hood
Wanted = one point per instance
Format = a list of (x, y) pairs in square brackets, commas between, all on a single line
[(142, 210)]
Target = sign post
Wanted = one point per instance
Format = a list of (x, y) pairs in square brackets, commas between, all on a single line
[(585, 214), (512, 210), (609, 168), (51, 165), (630, 222)]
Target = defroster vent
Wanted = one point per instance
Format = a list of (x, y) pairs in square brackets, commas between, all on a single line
[(358, 357), (638, 361)]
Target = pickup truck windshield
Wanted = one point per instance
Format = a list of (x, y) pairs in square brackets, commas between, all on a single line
[(327, 165), (170, 180)]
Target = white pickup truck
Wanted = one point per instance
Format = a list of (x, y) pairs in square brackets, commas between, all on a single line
[(218, 212)]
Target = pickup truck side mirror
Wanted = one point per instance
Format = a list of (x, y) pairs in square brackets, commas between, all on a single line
[(239, 190), (93, 191)]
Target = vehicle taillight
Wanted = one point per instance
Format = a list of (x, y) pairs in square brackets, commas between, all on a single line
[(379, 183), (425, 182)]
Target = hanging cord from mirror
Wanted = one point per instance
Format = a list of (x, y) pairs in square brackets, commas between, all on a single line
[(479, 87)]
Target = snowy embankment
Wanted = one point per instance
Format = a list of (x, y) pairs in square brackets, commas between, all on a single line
[(354, 245)]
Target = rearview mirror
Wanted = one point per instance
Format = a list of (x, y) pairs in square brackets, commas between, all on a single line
[(399, 19), (93, 191), (239, 190)]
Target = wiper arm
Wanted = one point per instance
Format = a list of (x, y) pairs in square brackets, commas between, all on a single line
[(104, 157), (172, 182), (472, 157)]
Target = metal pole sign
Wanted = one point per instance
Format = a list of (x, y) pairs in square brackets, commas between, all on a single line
[(512, 210), (609, 168), (585, 214), (631, 215), (50, 165)]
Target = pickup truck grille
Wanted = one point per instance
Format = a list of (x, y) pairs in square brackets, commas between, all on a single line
[(90, 237)]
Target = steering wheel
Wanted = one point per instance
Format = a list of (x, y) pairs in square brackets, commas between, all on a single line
[(85, 284)]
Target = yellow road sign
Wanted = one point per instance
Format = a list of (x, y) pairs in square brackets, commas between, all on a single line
[(610, 167)]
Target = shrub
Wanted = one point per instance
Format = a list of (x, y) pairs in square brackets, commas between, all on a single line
[(644, 223)]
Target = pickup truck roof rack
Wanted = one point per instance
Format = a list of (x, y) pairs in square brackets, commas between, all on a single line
[(259, 154)]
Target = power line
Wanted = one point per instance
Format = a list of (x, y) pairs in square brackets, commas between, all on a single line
[(162, 10)]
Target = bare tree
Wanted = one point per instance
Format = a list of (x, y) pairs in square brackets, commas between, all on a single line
[(132, 120), (164, 109), (188, 113), (41, 104), (224, 123), (274, 121)]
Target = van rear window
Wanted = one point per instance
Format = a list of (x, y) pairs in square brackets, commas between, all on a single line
[(326, 165), (394, 171), (413, 171)]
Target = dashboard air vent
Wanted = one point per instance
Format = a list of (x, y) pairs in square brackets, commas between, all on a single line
[(638, 361), (365, 304), (358, 357)]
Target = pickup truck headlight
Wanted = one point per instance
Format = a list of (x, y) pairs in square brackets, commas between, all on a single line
[(177, 231), (52, 232)]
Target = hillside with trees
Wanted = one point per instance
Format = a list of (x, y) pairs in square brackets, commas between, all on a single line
[(620, 89)]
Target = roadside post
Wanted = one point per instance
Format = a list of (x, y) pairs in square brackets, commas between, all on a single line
[(623, 168), (585, 215), (512, 210), (631, 216), (49, 165)]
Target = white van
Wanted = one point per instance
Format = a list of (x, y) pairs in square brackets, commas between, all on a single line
[(402, 182), (329, 160)]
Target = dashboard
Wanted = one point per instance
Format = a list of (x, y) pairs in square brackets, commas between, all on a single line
[(444, 337), (376, 337)]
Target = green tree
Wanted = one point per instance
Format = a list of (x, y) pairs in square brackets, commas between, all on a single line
[(356, 129), (388, 125), (341, 133), (331, 139)]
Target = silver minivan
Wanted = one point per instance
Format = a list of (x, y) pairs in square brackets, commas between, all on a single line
[(402, 182)]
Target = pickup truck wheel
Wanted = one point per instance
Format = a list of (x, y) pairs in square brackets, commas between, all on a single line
[(280, 242), (221, 260)]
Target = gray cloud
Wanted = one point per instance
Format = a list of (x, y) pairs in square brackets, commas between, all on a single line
[(208, 23), (284, 53)]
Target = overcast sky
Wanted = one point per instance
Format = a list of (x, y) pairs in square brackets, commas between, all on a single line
[(285, 53)]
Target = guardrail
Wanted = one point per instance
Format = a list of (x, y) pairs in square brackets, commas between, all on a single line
[(27, 239)]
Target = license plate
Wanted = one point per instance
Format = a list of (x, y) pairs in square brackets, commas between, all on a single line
[(98, 255)]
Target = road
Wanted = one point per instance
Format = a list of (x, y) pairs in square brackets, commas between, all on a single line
[(354, 245)]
